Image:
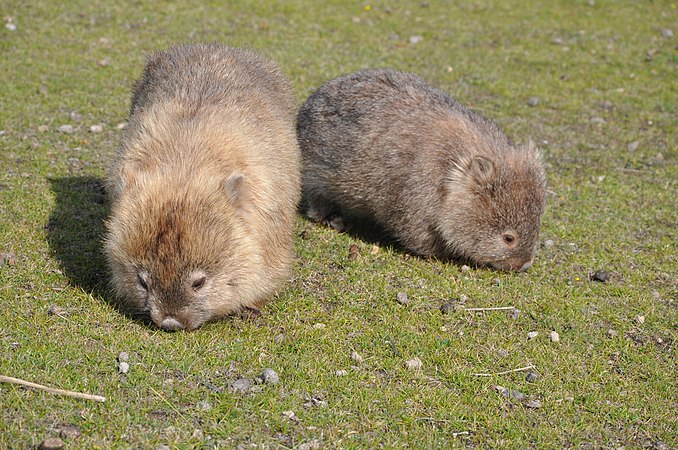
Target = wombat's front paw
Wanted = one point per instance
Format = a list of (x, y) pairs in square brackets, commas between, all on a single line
[(337, 224)]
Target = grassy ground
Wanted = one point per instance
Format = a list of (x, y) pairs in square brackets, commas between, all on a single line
[(604, 77)]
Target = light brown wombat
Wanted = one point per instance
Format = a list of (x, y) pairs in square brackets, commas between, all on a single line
[(205, 187), (442, 179)]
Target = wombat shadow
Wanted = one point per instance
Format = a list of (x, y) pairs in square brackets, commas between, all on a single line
[(75, 234), (370, 232)]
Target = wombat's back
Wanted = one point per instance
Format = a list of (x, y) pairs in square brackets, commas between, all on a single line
[(385, 145), (200, 75)]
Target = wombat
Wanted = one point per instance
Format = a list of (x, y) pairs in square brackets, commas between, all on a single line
[(205, 187), (441, 179)]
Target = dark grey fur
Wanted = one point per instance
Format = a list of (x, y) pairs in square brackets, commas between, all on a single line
[(443, 180)]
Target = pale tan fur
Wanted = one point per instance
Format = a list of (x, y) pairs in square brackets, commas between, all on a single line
[(205, 187)]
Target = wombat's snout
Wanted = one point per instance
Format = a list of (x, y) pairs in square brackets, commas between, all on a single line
[(514, 264), (171, 324), (521, 265), (526, 266)]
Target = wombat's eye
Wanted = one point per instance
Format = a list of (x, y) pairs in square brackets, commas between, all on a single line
[(198, 283), (142, 282), (508, 238)]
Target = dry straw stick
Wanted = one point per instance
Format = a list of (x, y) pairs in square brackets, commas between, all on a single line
[(12, 380), (494, 308), (520, 369)]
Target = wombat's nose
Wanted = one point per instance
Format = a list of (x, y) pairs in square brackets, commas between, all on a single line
[(526, 266), (171, 324)]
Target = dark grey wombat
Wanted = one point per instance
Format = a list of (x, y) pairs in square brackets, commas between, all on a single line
[(443, 180)]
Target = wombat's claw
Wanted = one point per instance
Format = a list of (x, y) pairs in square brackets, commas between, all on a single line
[(250, 313), (337, 224)]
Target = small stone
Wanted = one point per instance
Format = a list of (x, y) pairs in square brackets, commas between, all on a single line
[(532, 334), (601, 276), (104, 62), (598, 120), (315, 444), (241, 385), (416, 39), (612, 333), (513, 394), (402, 298), (465, 268), (640, 320), (290, 415), (164, 447), (269, 376), (314, 402), (8, 258), (534, 404), (532, 376), (555, 337), (667, 33), (123, 367), (198, 434), (633, 146), (533, 101), (51, 444), (514, 313), (123, 357), (414, 363), (10, 26), (355, 356), (75, 116), (65, 129), (121, 126), (353, 252), (374, 250), (447, 308), (548, 243), (557, 41), (341, 373), (69, 432), (96, 129), (55, 310), (203, 406), (319, 326), (43, 128)]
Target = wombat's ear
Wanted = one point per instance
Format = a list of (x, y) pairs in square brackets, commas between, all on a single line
[(481, 170), (235, 187)]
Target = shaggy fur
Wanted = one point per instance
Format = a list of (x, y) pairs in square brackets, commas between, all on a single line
[(443, 180), (204, 187)]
